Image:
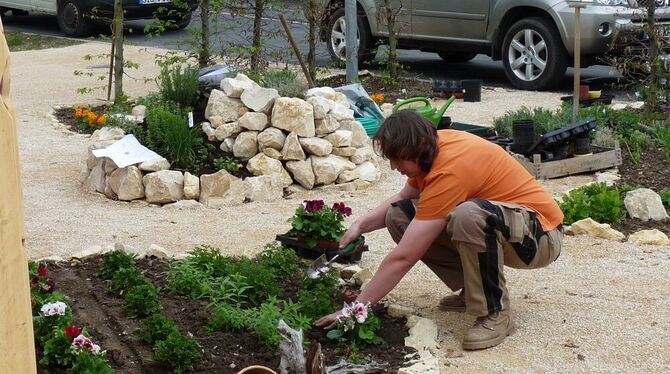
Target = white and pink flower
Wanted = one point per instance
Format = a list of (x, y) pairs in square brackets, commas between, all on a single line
[(356, 310), (54, 309), (82, 342)]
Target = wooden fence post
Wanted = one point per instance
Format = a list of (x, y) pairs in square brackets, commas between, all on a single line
[(17, 346)]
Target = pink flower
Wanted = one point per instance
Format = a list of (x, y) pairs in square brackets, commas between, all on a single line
[(95, 349), (83, 342), (312, 206), (360, 312), (342, 209)]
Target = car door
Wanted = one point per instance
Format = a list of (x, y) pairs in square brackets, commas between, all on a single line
[(450, 19), (44, 6), (403, 16)]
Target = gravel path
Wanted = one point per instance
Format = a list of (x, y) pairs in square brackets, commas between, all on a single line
[(601, 308)]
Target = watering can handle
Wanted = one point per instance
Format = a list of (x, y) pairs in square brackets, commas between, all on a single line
[(411, 100)]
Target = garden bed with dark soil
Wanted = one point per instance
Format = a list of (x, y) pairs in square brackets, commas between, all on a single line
[(101, 312), (376, 85), (653, 171)]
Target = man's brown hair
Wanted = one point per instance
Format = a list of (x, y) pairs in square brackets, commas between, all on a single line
[(406, 135)]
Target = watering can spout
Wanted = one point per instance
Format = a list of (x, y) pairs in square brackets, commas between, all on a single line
[(440, 112)]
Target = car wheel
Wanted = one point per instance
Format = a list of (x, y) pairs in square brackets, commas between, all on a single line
[(72, 20), (456, 56), (533, 54), (337, 42)]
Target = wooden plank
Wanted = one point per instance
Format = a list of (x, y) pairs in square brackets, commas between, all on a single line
[(574, 165), (17, 349)]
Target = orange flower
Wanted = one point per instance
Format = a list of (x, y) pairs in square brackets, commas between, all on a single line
[(78, 112), (92, 117), (378, 98), (102, 119)]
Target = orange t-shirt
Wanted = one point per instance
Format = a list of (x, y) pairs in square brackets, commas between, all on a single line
[(468, 167)]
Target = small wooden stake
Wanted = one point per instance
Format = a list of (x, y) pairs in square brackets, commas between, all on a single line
[(305, 70), (17, 347)]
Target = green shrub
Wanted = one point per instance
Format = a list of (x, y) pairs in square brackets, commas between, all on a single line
[(283, 261), (209, 259), (662, 137), (178, 85), (157, 328), (178, 352), (636, 142), (232, 289), (114, 261), (226, 317), (89, 363), (665, 196), (228, 164), (142, 301), (597, 201), (285, 82), (128, 126), (186, 280), (56, 349), (126, 279), (261, 279), (169, 135), (264, 320), (317, 296)]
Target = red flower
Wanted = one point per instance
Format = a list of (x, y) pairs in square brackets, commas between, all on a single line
[(312, 206), (342, 209), (42, 271), (72, 331), (35, 281)]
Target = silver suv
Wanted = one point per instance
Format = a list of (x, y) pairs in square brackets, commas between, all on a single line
[(533, 38)]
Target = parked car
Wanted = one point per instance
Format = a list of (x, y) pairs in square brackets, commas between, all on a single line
[(76, 18), (533, 38)]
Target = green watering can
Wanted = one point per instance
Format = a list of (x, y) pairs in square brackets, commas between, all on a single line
[(427, 111)]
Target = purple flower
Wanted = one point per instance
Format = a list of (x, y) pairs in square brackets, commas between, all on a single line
[(342, 209), (312, 206)]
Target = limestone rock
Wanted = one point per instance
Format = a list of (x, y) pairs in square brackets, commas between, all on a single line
[(341, 112), (422, 334), (355, 185), (254, 121), (272, 153), (292, 149), (645, 204), (588, 226), (139, 111), (349, 271), (109, 166), (107, 134), (260, 99), (302, 173), (427, 364), (246, 145), (651, 237), (165, 186), (344, 151), (348, 176), (316, 146), (361, 276), (359, 137), (95, 181), (264, 188), (341, 99), (227, 130), (234, 87), (191, 186), (126, 183), (321, 106), (155, 165), (184, 205), (227, 145), (326, 125), (340, 138), (91, 251), (608, 177), (293, 114), (326, 169), (618, 106), (208, 130), (221, 189), (399, 311), (264, 165), (271, 138), (327, 92), (154, 250), (219, 104), (368, 172)]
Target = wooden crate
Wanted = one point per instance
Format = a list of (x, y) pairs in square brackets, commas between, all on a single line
[(601, 158)]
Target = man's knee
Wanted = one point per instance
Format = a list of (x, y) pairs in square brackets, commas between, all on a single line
[(396, 222), (467, 223)]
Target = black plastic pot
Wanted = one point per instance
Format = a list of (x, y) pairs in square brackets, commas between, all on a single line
[(472, 90), (523, 136), (330, 248)]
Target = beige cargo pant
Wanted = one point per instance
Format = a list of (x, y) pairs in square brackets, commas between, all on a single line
[(481, 237)]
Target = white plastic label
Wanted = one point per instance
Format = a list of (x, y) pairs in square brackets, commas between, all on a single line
[(190, 119)]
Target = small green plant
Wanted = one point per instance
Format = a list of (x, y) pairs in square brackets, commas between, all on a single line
[(228, 317), (114, 261), (186, 280), (313, 221), (284, 262), (179, 85), (259, 278), (316, 296), (358, 326), (228, 164), (90, 363), (56, 349), (169, 135), (284, 81), (264, 320), (142, 301), (597, 201), (210, 260), (125, 279), (636, 143), (178, 352), (662, 137), (665, 196), (157, 328), (232, 289)]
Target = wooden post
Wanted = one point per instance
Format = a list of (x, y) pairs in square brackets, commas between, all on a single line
[(577, 52), (17, 347)]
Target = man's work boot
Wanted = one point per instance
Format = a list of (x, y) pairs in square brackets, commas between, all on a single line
[(489, 331), (453, 303)]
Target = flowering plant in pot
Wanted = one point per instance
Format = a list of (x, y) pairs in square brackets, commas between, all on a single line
[(313, 221), (357, 325)]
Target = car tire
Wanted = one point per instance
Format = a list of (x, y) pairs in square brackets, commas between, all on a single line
[(533, 54), (72, 20), (336, 43), (457, 56)]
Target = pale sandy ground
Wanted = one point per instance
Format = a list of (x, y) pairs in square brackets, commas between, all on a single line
[(602, 307)]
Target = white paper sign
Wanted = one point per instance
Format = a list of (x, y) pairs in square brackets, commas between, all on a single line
[(127, 151), (190, 119)]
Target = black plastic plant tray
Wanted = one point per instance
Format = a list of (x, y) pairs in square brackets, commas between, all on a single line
[(563, 135)]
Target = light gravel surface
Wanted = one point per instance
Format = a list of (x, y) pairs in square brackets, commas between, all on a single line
[(602, 307)]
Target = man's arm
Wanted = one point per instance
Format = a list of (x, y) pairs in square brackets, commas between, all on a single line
[(412, 247), (376, 218)]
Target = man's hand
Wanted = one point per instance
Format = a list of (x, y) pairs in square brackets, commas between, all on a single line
[(352, 233), (328, 322)]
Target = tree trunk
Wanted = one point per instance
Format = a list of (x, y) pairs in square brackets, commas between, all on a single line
[(118, 50), (392, 62), (313, 18), (205, 53), (651, 99), (256, 46)]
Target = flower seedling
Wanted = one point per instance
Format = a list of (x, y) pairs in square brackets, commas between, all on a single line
[(357, 325), (313, 221)]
